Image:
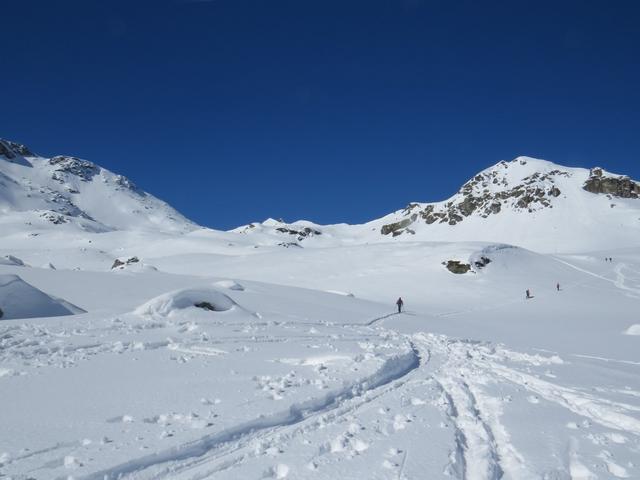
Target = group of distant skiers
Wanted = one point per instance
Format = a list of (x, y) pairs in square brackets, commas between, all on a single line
[(400, 302), (527, 292)]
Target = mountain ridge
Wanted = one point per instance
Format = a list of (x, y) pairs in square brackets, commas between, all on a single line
[(528, 202)]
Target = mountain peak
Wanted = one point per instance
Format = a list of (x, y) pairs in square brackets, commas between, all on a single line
[(70, 192)]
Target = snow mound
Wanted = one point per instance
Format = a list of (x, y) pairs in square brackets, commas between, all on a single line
[(18, 299), (206, 298), (633, 330), (229, 284), (11, 260), (340, 292)]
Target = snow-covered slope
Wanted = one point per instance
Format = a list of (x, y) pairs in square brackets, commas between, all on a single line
[(74, 195), (275, 350), (18, 299), (527, 202), (531, 203)]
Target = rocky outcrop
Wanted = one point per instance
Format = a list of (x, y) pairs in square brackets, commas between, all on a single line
[(83, 169), (457, 267), (6, 151), (302, 233), (488, 193), (19, 148), (15, 152), (121, 263), (482, 262), (397, 228), (619, 186)]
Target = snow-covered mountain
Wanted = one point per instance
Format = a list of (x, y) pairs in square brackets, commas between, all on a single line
[(76, 195), (258, 353), (527, 202)]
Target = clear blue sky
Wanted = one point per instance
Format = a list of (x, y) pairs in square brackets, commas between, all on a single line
[(237, 110)]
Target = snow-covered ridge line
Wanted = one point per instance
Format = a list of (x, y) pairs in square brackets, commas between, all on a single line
[(76, 194), (392, 369), (527, 202)]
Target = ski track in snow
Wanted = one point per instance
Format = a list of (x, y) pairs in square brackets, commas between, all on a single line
[(482, 448), (619, 281), (392, 370)]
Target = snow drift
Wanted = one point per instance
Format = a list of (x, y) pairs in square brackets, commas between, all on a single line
[(206, 298), (18, 299)]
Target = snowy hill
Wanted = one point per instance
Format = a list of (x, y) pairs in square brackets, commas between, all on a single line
[(75, 195), (276, 351), (527, 202)]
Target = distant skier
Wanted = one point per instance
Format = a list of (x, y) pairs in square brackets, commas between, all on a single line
[(399, 303), (558, 286), (528, 294)]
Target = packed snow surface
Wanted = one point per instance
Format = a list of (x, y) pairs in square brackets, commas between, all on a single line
[(276, 351), (287, 376)]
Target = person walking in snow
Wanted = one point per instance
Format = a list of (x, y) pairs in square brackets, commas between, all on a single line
[(558, 286), (528, 293), (399, 303)]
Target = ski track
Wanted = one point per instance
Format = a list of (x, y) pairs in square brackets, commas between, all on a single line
[(604, 412), (481, 450), (475, 443), (392, 370), (618, 282)]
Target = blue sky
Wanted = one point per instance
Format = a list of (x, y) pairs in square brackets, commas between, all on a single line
[(334, 111)]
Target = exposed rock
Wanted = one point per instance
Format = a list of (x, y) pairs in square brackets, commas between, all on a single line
[(456, 266), (289, 244), (83, 169), (487, 193), (483, 262), (14, 152), (302, 233), (19, 148), (6, 151), (621, 186), (206, 306), (55, 218), (119, 263), (396, 228)]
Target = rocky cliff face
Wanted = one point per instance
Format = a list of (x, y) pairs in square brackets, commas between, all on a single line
[(616, 186)]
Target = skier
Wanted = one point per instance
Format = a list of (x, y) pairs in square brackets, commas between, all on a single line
[(558, 286), (399, 303), (528, 293)]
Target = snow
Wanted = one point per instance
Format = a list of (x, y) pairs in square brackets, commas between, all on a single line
[(297, 365), (18, 299), (170, 303)]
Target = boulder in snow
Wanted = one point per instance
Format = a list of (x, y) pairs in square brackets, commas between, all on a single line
[(456, 266)]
